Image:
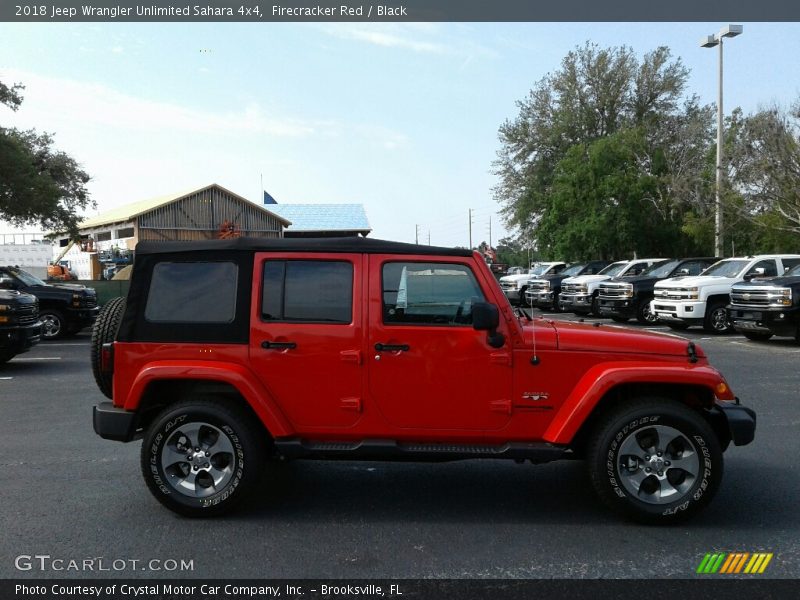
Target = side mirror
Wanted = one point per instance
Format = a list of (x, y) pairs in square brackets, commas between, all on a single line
[(682, 272), (486, 317)]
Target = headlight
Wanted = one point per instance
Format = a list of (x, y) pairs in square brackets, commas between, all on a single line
[(5, 307), (583, 288), (627, 290), (780, 297), (76, 299), (693, 293)]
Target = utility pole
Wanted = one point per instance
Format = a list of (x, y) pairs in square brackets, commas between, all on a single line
[(490, 231), (429, 237), (416, 234), (470, 229)]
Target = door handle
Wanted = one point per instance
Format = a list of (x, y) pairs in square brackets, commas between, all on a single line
[(278, 345), (392, 347)]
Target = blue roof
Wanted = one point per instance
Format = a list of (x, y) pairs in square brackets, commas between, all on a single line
[(323, 217)]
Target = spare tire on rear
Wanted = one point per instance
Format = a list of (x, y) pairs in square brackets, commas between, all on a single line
[(104, 331)]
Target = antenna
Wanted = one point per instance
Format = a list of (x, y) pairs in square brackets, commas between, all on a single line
[(535, 358)]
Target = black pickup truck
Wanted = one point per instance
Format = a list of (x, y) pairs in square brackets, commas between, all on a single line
[(761, 308), (543, 291), (64, 309), (20, 327), (628, 298)]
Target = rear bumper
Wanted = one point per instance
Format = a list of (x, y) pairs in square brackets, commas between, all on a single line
[(739, 420), (112, 423)]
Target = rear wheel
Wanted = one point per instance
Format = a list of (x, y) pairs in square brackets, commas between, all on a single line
[(202, 457), (716, 319), (655, 461), (104, 331), (756, 336)]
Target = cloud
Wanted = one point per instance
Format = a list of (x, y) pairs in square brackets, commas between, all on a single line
[(117, 50), (387, 35)]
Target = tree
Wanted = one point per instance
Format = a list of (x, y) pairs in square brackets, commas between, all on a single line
[(547, 187), (38, 184), (765, 172)]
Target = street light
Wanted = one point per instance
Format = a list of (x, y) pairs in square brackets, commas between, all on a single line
[(709, 41)]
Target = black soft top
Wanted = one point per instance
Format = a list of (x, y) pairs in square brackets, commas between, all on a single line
[(355, 245)]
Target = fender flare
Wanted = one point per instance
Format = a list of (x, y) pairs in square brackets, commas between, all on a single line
[(242, 379), (599, 380)]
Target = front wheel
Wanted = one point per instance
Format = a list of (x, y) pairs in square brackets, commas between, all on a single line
[(655, 461), (644, 314), (201, 457), (54, 325), (716, 320)]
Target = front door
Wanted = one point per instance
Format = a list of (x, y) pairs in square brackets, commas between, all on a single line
[(429, 369), (306, 336)]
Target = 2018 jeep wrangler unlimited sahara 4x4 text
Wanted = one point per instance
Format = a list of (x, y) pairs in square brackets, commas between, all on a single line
[(229, 352)]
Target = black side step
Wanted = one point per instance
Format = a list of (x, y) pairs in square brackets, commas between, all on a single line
[(539, 452)]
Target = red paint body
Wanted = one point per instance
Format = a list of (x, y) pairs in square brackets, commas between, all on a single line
[(450, 386)]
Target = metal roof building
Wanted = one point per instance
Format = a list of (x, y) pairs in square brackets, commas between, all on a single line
[(203, 213), (323, 220)]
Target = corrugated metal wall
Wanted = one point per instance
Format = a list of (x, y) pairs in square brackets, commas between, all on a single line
[(199, 217)]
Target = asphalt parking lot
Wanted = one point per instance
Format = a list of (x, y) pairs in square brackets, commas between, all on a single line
[(70, 495)]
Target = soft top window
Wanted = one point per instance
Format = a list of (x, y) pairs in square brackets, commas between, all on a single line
[(192, 292)]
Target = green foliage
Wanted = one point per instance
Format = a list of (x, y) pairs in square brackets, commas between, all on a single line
[(38, 184)]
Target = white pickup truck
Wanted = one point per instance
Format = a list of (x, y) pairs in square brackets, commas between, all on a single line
[(579, 294), (681, 302), (514, 286)]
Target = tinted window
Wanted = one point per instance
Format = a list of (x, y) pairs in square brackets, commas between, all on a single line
[(770, 269), (694, 268), (429, 293), (308, 291), (192, 292), (789, 263)]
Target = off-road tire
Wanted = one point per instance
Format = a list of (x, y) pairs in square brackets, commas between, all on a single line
[(54, 325), (711, 322), (636, 422), (104, 331), (243, 464), (757, 336)]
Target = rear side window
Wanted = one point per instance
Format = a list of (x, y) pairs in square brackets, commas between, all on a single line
[(429, 293), (192, 292), (789, 263), (307, 291)]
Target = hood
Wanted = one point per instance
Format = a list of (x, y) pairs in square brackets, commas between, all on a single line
[(637, 280), (67, 287), (696, 281), (610, 338), (515, 278), (15, 297), (776, 281)]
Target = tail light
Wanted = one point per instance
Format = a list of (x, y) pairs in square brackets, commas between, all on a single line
[(107, 357)]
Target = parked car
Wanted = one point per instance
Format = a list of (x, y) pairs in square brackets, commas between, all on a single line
[(579, 294), (703, 300), (514, 286), (415, 355), (543, 290), (64, 308), (761, 308), (20, 328), (628, 298)]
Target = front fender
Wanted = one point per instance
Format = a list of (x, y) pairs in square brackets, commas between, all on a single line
[(242, 379), (600, 379)]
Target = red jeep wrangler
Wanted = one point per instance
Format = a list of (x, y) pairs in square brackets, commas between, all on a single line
[(227, 353)]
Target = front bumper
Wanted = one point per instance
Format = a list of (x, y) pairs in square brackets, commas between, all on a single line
[(578, 303), (512, 295), (20, 339), (538, 298), (778, 321), (685, 312), (617, 307), (78, 318), (740, 421), (112, 423)]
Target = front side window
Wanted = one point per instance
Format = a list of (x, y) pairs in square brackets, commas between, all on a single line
[(429, 294), (307, 291), (192, 292)]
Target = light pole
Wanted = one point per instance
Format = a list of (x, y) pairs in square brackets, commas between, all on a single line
[(709, 41)]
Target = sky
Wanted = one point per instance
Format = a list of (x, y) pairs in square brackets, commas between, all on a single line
[(402, 118)]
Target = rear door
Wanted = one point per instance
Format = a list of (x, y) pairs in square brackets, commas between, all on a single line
[(429, 369), (306, 335)]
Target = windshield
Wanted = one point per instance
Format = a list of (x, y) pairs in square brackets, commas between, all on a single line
[(614, 269), (574, 270), (661, 270), (726, 268), (538, 269), (26, 277)]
